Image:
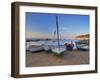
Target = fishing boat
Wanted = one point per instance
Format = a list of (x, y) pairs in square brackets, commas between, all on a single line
[(35, 48), (58, 49), (81, 45)]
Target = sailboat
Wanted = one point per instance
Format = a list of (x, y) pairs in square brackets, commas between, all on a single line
[(58, 49)]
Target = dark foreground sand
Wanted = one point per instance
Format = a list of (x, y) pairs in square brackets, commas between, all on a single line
[(49, 59)]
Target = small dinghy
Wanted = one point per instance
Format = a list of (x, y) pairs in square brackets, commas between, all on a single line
[(34, 49), (82, 45), (83, 48)]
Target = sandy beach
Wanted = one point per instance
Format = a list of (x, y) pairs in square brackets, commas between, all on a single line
[(49, 59)]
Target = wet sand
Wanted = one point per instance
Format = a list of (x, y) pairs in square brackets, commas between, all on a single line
[(49, 59)]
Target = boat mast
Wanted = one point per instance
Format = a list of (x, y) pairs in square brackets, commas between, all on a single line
[(57, 32)]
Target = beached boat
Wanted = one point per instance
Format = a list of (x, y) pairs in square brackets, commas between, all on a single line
[(27, 47), (58, 49), (82, 45), (34, 48), (46, 48)]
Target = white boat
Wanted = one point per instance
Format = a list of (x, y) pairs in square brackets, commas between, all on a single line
[(83, 47), (58, 49), (46, 48), (35, 48)]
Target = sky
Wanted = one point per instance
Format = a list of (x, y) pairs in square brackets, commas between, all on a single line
[(43, 25)]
